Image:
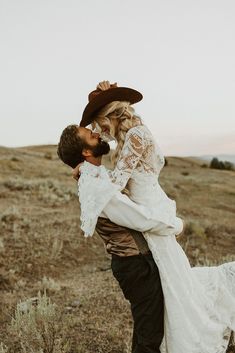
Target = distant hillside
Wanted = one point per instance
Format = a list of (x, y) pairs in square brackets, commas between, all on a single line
[(221, 157)]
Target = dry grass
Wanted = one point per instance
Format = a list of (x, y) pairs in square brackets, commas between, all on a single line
[(38, 326), (41, 246)]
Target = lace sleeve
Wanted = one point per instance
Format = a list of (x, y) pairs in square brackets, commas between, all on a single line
[(131, 153), (95, 190)]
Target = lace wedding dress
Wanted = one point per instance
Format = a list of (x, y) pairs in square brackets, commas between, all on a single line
[(199, 301)]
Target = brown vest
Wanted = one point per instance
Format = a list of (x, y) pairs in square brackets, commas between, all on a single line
[(119, 240)]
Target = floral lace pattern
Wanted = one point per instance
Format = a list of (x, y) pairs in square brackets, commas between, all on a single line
[(139, 153)]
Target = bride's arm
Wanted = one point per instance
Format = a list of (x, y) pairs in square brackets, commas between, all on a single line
[(131, 153), (100, 197), (124, 212)]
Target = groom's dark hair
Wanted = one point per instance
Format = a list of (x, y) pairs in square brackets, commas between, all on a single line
[(71, 146)]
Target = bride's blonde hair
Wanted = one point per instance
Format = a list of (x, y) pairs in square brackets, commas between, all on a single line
[(127, 119)]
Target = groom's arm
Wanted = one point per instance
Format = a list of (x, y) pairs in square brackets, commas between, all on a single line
[(124, 212)]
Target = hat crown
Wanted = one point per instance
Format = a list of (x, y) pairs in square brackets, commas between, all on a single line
[(97, 91)]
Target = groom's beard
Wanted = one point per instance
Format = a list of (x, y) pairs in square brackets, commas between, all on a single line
[(100, 149)]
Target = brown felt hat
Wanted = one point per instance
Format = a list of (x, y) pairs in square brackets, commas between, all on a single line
[(98, 99)]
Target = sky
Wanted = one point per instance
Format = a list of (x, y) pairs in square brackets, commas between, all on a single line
[(180, 54)]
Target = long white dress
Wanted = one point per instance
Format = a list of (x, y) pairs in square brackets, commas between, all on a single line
[(199, 301)]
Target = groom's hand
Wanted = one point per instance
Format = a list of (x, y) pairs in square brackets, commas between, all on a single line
[(76, 171)]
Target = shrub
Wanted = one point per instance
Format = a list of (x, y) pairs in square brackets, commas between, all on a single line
[(15, 159), (11, 214), (38, 326), (192, 228), (228, 165), (47, 190), (3, 348), (49, 284), (48, 155), (216, 164)]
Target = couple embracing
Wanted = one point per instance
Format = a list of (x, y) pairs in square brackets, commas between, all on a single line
[(175, 308)]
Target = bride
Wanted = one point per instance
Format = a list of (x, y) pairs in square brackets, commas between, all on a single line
[(199, 301)]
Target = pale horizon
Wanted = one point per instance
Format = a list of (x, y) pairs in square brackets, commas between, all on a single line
[(177, 154), (179, 54)]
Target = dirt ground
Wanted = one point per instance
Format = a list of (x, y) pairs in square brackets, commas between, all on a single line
[(42, 247)]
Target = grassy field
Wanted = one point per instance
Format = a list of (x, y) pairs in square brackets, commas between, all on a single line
[(42, 247)]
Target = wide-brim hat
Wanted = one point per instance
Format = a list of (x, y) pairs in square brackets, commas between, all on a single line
[(98, 99)]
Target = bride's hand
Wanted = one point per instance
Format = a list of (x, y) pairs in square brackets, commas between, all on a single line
[(76, 171), (104, 85), (179, 235)]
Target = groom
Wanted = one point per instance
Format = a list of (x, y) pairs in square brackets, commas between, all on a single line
[(132, 263)]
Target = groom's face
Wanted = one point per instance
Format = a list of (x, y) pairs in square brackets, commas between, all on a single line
[(88, 136), (93, 141)]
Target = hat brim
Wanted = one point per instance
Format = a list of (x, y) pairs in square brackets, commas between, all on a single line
[(108, 96)]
